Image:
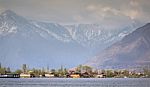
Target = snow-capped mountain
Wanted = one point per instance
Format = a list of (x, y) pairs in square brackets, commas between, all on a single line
[(133, 51), (95, 35), (52, 30), (40, 44), (36, 43), (11, 23), (88, 35)]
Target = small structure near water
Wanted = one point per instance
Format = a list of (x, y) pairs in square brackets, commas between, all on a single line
[(22, 75), (9, 76)]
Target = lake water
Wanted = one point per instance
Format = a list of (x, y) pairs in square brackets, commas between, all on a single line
[(61, 82)]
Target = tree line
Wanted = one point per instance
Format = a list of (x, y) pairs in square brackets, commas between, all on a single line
[(82, 70)]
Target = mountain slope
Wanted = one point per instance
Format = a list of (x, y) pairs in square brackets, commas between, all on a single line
[(132, 51)]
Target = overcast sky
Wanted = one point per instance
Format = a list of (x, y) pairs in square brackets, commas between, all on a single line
[(81, 11)]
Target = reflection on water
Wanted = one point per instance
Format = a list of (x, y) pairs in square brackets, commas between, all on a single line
[(61, 82)]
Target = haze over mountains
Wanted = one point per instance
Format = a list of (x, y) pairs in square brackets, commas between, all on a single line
[(133, 51), (40, 44)]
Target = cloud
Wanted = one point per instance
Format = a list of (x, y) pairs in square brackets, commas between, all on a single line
[(108, 15), (81, 11)]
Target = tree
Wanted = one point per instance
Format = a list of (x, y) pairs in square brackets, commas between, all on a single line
[(2, 70), (146, 72), (43, 71), (87, 69), (8, 70), (79, 68), (60, 72), (109, 73), (53, 71), (24, 68), (126, 73), (47, 69), (61, 68), (0, 65), (65, 71), (18, 71), (36, 72)]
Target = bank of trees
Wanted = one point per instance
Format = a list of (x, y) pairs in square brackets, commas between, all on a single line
[(84, 71), (4, 70)]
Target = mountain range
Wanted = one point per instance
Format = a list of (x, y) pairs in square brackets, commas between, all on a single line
[(39, 44), (133, 51)]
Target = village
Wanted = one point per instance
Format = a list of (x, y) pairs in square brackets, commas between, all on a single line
[(80, 71)]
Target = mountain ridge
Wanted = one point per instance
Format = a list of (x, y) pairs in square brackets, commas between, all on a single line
[(33, 42), (131, 51)]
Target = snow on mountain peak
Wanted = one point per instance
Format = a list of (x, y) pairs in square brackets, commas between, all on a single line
[(87, 35), (6, 29), (7, 24), (52, 30)]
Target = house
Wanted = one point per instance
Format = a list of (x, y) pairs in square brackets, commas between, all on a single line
[(49, 75), (85, 75), (22, 75), (75, 76)]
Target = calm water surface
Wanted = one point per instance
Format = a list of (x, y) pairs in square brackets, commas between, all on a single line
[(60, 82)]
